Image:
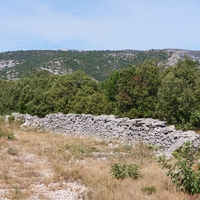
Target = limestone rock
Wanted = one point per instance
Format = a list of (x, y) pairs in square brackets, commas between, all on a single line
[(110, 127)]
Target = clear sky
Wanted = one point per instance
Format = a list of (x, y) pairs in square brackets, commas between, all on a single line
[(99, 24)]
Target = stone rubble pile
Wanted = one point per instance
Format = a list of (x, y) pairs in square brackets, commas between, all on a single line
[(110, 127)]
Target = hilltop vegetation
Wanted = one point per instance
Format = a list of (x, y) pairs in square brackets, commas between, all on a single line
[(145, 90), (97, 64)]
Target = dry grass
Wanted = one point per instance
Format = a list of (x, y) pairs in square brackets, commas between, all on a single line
[(36, 163)]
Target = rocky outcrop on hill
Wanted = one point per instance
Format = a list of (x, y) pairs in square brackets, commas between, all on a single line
[(110, 127), (176, 54)]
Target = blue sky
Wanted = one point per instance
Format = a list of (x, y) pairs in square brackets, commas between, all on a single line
[(99, 24)]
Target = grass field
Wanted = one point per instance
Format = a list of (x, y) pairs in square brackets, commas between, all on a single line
[(39, 165)]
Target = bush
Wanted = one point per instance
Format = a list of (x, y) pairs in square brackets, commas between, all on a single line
[(195, 119), (11, 118), (185, 172), (133, 171), (123, 171)]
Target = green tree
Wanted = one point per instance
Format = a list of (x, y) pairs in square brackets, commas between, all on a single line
[(110, 86), (43, 93), (179, 94), (134, 90)]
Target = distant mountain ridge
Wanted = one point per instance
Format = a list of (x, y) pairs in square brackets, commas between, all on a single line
[(97, 64)]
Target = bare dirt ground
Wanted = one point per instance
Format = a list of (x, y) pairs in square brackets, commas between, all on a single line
[(26, 173)]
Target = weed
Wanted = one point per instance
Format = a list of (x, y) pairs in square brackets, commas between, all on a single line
[(142, 151), (2, 133), (123, 171), (119, 171), (75, 175), (149, 190), (11, 118), (11, 136), (7, 134), (79, 149), (17, 193), (2, 119), (103, 143), (155, 147), (12, 151), (133, 171), (6, 177), (127, 147)]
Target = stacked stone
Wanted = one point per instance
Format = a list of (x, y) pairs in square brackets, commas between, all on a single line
[(110, 127)]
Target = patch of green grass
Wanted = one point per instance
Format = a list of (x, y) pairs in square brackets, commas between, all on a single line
[(149, 190), (7, 134), (11, 136)]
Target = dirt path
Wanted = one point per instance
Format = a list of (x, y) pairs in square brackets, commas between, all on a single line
[(26, 173)]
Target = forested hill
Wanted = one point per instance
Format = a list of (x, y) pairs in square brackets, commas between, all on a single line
[(97, 64)]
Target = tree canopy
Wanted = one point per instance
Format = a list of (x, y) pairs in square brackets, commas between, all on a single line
[(144, 90), (179, 96)]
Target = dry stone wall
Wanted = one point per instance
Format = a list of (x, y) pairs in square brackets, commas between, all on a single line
[(110, 127)]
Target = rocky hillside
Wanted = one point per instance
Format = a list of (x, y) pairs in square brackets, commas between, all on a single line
[(176, 54), (97, 64)]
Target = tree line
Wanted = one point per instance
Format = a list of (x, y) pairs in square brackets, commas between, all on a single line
[(146, 90)]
